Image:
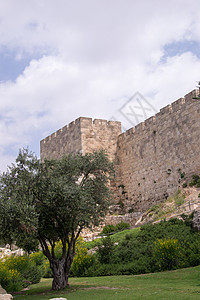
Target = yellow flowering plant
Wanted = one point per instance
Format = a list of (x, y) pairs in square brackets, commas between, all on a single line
[(167, 253)]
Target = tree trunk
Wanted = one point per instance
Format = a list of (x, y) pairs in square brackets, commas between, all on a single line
[(60, 278), (60, 270)]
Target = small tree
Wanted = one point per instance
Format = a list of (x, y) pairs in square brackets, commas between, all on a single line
[(53, 201)]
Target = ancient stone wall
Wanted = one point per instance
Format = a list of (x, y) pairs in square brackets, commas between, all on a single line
[(100, 134), (65, 140), (152, 160), (156, 156), (83, 135)]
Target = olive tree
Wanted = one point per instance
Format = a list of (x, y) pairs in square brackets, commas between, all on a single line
[(53, 201)]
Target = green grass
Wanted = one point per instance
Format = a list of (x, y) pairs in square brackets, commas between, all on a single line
[(178, 284), (117, 237)]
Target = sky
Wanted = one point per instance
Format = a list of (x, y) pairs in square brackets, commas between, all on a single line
[(62, 59)]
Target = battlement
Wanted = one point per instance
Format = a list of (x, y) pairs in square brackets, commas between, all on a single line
[(164, 113), (82, 135)]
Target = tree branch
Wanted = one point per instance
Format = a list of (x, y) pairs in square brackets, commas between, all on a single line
[(45, 248)]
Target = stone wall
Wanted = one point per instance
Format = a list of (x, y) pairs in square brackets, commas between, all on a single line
[(150, 158), (153, 156), (65, 140), (83, 135)]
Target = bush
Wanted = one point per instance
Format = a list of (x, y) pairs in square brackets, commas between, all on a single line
[(82, 261), (20, 272), (141, 247), (184, 185), (10, 280), (122, 226), (105, 250), (167, 253), (108, 229), (195, 181), (112, 228), (32, 274)]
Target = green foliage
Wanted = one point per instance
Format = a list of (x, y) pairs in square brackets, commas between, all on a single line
[(82, 261), (182, 175), (167, 253), (188, 219), (137, 253), (10, 279), (108, 229), (122, 226), (195, 181), (53, 201), (17, 272), (105, 250), (184, 185), (114, 228), (116, 237), (37, 258), (32, 274)]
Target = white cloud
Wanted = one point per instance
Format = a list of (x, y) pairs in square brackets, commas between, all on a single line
[(92, 54)]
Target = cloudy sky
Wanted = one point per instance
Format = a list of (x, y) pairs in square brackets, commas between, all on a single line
[(61, 59)]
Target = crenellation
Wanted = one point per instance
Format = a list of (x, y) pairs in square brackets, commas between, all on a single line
[(178, 104), (165, 109), (100, 122), (149, 121), (140, 127), (84, 122), (189, 97)]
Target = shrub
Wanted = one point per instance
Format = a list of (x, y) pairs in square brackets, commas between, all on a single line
[(20, 272), (182, 175), (141, 247), (198, 184), (122, 226), (195, 181), (32, 274), (105, 250), (184, 185), (10, 280), (82, 261), (112, 228), (108, 229), (167, 253)]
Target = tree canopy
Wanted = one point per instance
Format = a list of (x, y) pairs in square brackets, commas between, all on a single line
[(44, 202)]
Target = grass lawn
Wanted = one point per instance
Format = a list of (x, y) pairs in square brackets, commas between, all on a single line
[(178, 284)]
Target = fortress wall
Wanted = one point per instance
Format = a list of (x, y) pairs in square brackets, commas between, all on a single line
[(152, 156), (65, 140), (100, 134), (83, 135)]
